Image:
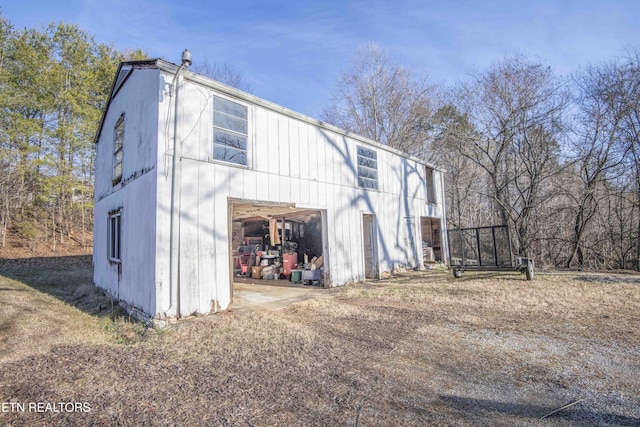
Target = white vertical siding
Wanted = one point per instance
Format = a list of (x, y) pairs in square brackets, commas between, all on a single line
[(222, 253), (273, 144), (138, 244), (305, 153), (323, 168), (294, 151), (164, 129), (284, 146), (250, 187), (191, 215), (132, 280), (207, 235), (260, 141)]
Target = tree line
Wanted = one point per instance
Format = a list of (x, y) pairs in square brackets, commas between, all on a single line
[(54, 84), (53, 87), (555, 158)]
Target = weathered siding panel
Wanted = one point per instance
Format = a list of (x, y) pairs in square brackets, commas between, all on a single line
[(250, 185), (260, 141), (284, 146), (222, 253), (165, 131), (273, 146), (137, 284), (132, 280), (191, 216), (305, 155), (322, 150), (294, 150), (207, 236)]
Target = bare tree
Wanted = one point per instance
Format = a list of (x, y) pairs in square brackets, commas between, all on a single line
[(631, 130), (465, 189), (617, 221), (382, 100), (597, 147), (517, 109), (224, 73)]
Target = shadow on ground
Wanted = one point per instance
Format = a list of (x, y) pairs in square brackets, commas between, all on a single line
[(70, 279), (576, 413), (67, 278)]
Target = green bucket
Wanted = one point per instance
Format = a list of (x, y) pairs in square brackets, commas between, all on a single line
[(296, 276)]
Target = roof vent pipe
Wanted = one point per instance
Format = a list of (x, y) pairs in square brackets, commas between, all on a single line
[(186, 58)]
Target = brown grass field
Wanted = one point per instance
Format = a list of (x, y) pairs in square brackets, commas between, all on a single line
[(417, 349)]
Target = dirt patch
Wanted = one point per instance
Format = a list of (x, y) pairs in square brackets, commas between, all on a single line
[(416, 349)]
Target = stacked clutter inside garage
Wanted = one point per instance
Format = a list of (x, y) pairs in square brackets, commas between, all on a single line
[(280, 249)]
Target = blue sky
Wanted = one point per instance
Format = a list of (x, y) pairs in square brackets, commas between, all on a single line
[(291, 52)]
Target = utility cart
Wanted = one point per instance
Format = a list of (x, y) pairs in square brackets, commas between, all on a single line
[(485, 249)]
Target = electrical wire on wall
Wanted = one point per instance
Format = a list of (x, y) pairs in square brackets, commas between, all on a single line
[(208, 95)]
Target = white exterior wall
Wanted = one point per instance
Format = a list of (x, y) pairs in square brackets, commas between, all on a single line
[(292, 159), (132, 280)]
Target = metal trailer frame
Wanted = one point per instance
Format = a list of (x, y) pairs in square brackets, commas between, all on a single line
[(487, 253)]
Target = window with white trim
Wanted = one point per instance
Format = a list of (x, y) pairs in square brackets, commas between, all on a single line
[(367, 168), (114, 236), (230, 131), (118, 143)]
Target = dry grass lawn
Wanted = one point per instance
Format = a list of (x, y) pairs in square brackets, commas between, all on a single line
[(417, 349)]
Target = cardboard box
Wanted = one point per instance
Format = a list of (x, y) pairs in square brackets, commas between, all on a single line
[(318, 262), (256, 272)]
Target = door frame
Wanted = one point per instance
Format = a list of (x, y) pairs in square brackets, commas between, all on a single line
[(370, 219)]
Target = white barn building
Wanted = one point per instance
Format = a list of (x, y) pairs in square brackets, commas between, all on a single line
[(189, 170)]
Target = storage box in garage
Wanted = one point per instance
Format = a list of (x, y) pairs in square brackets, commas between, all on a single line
[(256, 272), (269, 272), (312, 277)]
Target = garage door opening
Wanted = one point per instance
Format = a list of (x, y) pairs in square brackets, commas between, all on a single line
[(277, 245)]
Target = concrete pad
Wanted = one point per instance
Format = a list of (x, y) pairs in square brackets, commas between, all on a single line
[(269, 295)]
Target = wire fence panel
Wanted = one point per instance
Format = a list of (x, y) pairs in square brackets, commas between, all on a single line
[(480, 247)]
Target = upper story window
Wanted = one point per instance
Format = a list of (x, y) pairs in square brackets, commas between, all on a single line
[(118, 142), (367, 168), (230, 131), (431, 188)]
